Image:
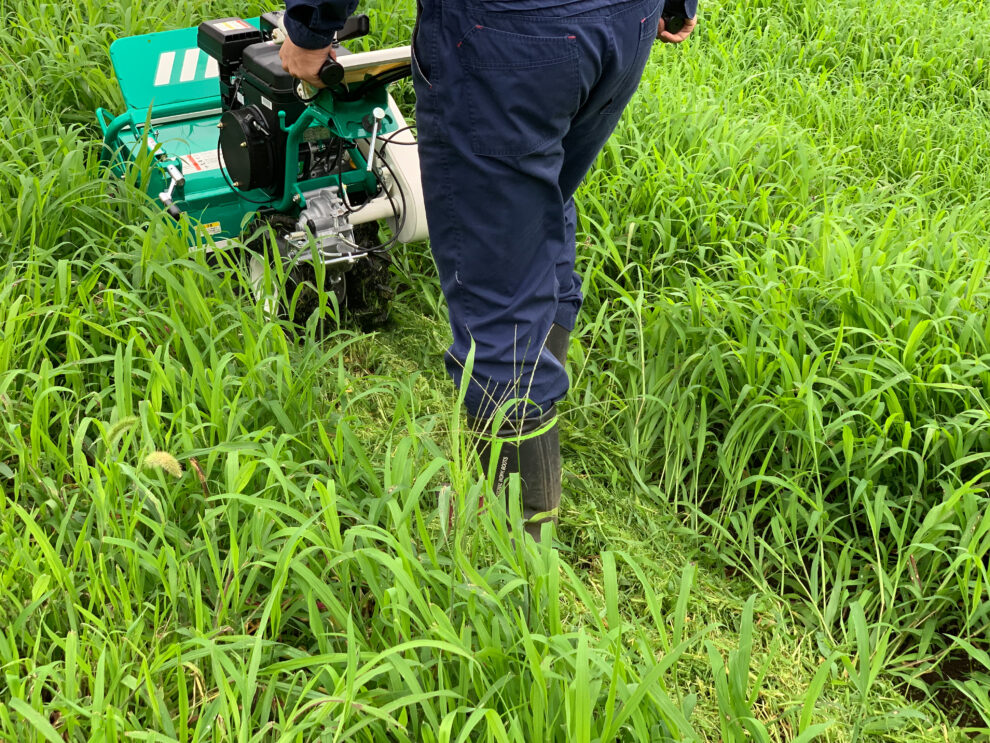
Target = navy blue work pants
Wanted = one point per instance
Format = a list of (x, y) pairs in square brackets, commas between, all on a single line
[(515, 99)]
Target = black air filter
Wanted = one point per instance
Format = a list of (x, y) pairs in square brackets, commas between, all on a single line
[(225, 39)]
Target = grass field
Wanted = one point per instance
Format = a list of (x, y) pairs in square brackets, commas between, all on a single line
[(775, 521)]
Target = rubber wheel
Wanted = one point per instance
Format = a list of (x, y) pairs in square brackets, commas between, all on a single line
[(299, 298), (369, 282)]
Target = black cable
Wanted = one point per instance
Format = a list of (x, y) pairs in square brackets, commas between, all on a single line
[(402, 194), (376, 81), (385, 141), (384, 247), (234, 188), (340, 180), (381, 155), (391, 138), (338, 160)]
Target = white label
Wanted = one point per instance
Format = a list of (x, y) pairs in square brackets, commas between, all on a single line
[(234, 25), (163, 75), (200, 162), (240, 97), (212, 228), (266, 103)]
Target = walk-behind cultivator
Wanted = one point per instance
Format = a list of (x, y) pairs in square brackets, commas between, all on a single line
[(244, 151)]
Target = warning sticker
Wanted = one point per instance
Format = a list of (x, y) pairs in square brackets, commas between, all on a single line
[(200, 162), (212, 228), (232, 25)]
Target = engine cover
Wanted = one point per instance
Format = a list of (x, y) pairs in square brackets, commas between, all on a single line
[(250, 149), (266, 84)]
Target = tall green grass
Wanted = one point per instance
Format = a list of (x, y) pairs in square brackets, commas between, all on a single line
[(199, 545), (789, 318), (215, 527)]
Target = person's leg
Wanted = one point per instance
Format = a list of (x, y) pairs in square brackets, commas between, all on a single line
[(569, 296), (491, 120), (633, 30), (497, 96), (490, 157), (568, 282)]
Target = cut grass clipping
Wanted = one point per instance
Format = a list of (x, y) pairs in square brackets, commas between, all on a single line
[(775, 526)]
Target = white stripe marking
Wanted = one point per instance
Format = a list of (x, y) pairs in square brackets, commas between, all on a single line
[(212, 68), (189, 62), (164, 74)]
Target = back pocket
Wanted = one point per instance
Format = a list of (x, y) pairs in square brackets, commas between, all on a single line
[(521, 91), (645, 21)]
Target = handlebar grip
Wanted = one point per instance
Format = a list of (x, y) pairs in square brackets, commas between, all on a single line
[(673, 24), (331, 73), (354, 28)]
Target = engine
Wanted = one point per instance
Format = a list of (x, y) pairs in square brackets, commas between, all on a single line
[(259, 102)]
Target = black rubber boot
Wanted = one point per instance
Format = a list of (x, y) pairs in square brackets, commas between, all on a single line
[(535, 457), (558, 341)]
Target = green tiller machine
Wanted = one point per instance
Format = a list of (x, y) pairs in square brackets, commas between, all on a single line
[(245, 151)]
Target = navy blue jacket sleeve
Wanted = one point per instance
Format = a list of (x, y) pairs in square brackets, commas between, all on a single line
[(681, 8), (311, 24)]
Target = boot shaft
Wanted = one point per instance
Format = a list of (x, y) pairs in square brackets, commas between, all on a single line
[(530, 448)]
